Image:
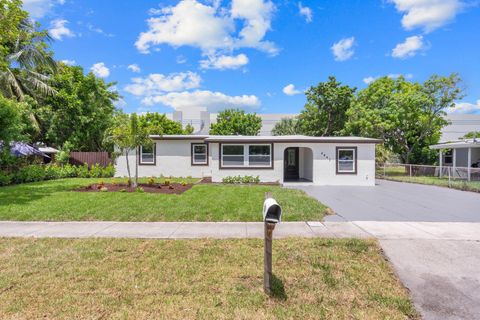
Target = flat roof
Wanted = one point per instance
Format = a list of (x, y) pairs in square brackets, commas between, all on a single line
[(467, 143), (292, 138)]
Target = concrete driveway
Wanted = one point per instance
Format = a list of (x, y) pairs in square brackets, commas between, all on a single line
[(439, 267), (397, 201)]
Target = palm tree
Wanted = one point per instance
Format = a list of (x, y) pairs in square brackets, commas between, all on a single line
[(20, 75)]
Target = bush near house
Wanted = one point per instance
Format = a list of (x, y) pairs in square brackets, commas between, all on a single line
[(35, 172), (241, 179)]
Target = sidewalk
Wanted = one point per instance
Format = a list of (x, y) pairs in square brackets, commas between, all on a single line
[(225, 230)]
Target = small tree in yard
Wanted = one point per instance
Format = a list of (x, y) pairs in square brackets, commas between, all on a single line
[(126, 135)]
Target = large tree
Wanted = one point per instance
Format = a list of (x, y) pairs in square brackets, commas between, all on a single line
[(26, 61), (236, 122), (10, 121), (408, 116), (156, 123), (287, 126), (324, 113), (80, 112)]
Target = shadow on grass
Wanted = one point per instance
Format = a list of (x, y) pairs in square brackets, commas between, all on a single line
[(278, 288)]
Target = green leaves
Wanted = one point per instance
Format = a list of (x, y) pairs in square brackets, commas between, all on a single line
[(408, 116), (156, 123), (236, 122), (325, 111)]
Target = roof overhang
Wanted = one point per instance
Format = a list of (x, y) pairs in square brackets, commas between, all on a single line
[(456, 145), (268, 139)]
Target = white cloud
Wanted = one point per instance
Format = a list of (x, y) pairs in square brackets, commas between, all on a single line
[(427, 14), (465, 108), (306, 12), (290, 90), (409, 48), (210, 28), (39, 8), (343, 49), (99, 30), (100, 70), (223, 62), (181, 59), (213, 101), (58, 29), (371, 79), (156, 83), (68, 62), (134, 68)]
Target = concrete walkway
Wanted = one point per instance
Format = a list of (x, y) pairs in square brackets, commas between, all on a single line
[(224, 230)]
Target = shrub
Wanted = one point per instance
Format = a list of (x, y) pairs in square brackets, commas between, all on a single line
[(30, 173), (139, 190), (68, 171), (96, 171), (5, 178), (151, 181), (36, 172), (241, 180), (83, 172)]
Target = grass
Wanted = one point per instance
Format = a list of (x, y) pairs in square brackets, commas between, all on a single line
[(197, 279), (398, 174), (55, 201)]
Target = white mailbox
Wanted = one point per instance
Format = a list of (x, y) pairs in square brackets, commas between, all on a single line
[(272, 212)]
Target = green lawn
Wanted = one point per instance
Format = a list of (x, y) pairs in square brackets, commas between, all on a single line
[(55, 201), (197, 279)]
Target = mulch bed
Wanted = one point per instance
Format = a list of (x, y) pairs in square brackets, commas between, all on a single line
[(173, 188)]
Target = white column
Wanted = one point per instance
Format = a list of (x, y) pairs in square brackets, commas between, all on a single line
[(440, 162), (469, 162), (454, 166)]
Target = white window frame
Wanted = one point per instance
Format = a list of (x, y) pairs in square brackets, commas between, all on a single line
[(194, 162), (354, 161), (152, 153), (246, 155)]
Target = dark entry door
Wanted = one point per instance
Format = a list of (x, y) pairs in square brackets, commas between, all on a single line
[(290, 159)]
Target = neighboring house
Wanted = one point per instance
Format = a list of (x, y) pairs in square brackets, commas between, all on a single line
[(462, 155), (283, 159)]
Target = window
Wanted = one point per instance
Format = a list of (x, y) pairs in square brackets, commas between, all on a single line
[(233, 155), (199, 154), (347, 160), (246, 155), (147, 154)]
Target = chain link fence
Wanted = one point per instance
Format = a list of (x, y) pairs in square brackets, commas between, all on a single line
[(454, 177)]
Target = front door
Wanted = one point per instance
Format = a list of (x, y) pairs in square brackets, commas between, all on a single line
[(290, 159)]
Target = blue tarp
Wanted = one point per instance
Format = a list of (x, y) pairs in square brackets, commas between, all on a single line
[(21, 149)]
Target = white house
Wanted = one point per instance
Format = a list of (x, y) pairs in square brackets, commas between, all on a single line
[(463, 156), (283, 159)]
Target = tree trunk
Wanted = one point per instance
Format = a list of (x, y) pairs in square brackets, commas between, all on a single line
[(136, 168), (128, 169)]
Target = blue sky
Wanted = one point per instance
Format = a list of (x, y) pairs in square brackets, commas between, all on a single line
[(261, 55)]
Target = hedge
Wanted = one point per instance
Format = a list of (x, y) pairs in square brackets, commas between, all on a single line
[(37, 172)]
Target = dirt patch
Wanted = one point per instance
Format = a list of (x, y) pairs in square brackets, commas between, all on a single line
[(172, 188)]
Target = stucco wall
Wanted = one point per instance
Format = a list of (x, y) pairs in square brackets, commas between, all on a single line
[(173, 158)]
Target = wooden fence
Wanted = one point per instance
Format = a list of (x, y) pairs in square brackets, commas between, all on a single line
[(90, 158)]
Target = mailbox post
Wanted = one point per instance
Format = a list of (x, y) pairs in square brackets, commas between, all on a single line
[(272, 214)]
